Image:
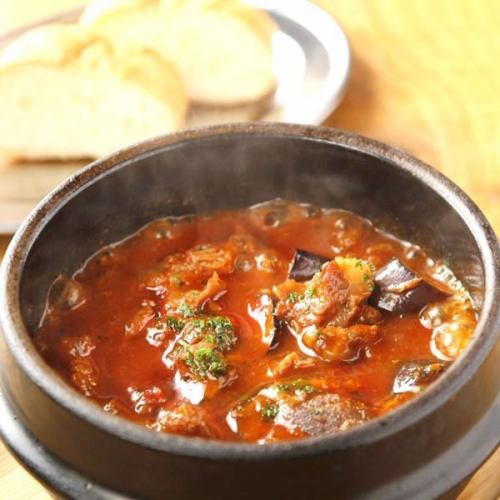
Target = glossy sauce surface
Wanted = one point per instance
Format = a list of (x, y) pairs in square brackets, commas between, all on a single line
[(121, 329)]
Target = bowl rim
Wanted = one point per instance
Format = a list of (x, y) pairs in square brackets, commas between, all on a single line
[(22, 348)]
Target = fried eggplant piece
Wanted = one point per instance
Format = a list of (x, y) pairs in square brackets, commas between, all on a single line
[(414, 376), (305, 265), (400, 290)]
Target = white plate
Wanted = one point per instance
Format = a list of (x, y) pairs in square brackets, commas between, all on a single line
[(311, 60)]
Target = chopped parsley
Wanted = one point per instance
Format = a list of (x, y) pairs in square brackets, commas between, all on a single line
[(204, 341), (367, 279), (292, 298), (205, 362), (175, 323), (186, 310), (269, 411), (297, 386), (222, 331), (198, 323), (217, 330), (359, 264)]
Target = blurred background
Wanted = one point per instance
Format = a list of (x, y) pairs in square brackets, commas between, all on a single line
[(424, 77)]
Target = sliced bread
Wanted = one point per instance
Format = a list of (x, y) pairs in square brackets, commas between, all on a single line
[(222, 48), (70, 93)]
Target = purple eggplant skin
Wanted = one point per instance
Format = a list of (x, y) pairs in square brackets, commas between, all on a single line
[(305, 265), (413, 376), (276, 333), (400, 290)]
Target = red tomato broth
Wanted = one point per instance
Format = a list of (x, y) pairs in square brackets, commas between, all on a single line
[(113, 289)]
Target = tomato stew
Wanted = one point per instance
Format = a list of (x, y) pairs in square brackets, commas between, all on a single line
[(271, 323)]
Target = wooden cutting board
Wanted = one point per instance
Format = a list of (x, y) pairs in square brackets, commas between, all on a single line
[(22, 186)]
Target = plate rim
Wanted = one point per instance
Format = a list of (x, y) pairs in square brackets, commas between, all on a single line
[(330, 35)]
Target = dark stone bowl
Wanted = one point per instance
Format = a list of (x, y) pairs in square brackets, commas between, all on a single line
[(425, 449)]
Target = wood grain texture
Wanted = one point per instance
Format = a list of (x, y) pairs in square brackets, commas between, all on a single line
[(425, 78)]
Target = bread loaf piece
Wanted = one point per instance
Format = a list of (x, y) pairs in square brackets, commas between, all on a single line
[(69, 93), (222, 48)]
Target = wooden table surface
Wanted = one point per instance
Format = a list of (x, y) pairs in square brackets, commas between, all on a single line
[(425, 78)]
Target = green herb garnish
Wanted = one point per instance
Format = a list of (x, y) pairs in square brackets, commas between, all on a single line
[(269, 411), (222, 331), (175, 323), (206, 362), (186, 310), (292, 298), (297, 385)]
